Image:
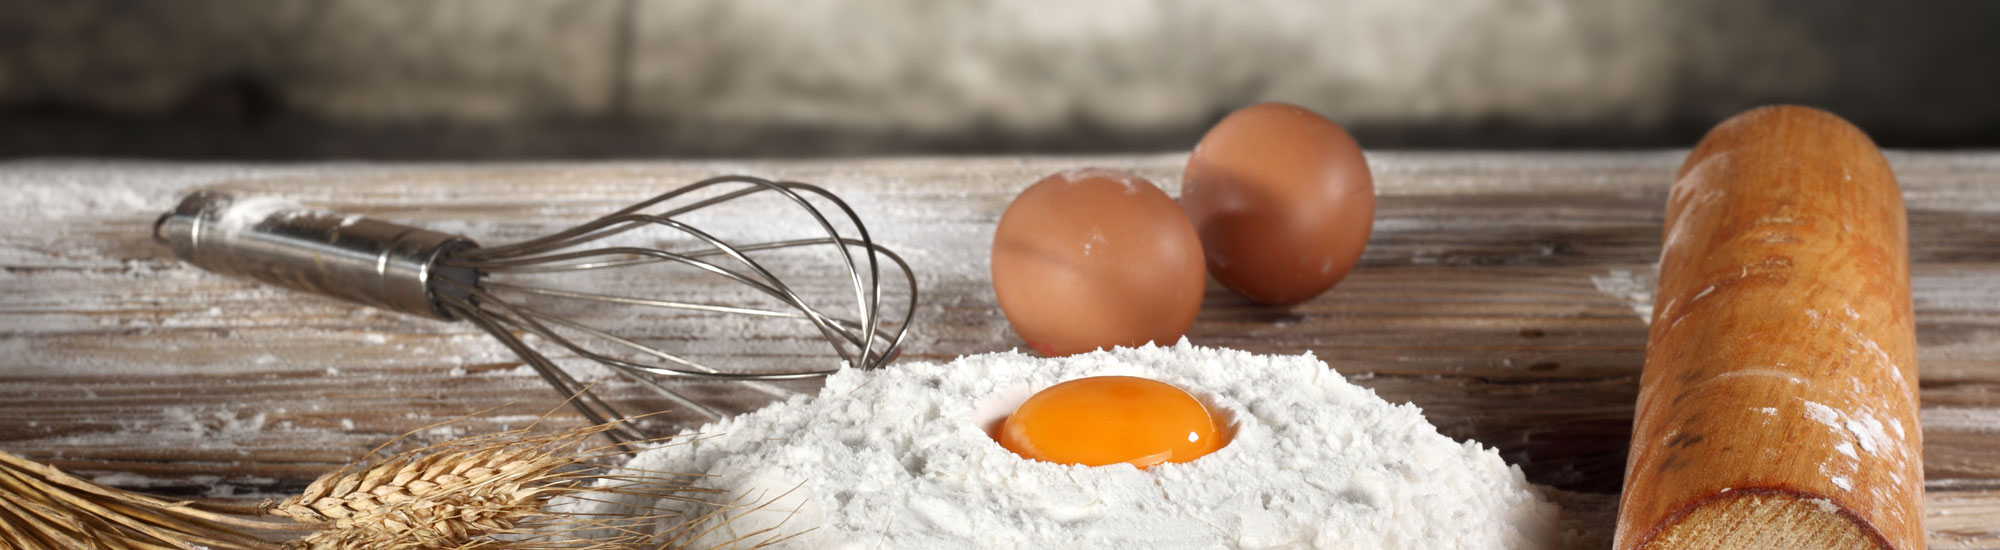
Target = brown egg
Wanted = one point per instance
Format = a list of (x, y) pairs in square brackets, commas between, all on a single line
[(1095, 258), (1282, 200)]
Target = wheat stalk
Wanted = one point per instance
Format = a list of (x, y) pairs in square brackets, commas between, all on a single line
[(43, 508)]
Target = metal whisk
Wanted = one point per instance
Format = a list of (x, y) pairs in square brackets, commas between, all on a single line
[(449, 277)]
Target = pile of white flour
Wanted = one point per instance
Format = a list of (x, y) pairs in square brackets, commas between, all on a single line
[(901, 458)]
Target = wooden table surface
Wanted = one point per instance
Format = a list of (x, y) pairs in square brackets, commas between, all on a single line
[(1502, 292)]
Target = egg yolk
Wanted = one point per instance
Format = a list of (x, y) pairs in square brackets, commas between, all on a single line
[(1109, 420)]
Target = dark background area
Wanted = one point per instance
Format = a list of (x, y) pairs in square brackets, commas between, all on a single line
[(306, 79)]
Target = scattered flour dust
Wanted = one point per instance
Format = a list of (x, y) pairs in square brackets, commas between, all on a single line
[(901, 458), (1634, 287)]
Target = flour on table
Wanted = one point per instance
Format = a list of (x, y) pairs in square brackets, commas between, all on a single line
[(901, 458), (1634, 287)]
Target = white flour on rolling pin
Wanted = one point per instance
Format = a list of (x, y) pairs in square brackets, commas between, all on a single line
[(900, 458)]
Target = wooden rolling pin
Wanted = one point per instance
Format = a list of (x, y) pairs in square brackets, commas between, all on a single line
[(1778, 407)]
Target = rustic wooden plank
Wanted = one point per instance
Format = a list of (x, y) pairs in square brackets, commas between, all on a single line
[(1502, 293)]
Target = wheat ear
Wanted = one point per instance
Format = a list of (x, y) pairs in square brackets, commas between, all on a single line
[(490, 491), (477, 492)]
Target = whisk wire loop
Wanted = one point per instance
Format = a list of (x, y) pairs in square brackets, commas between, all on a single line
[(867, 294), (847, 329), (759, 277)]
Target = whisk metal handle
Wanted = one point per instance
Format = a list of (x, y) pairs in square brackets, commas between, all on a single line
[(371, 262)]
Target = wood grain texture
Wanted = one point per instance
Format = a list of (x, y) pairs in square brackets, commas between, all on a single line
[(1500, 292), (1778, 404)]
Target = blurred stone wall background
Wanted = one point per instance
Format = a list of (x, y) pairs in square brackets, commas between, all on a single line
[(654, 78)]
